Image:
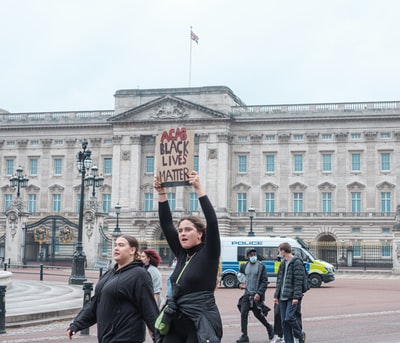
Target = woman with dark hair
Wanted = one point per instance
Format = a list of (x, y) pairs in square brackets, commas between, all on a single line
[(194, 314), (123, 303), (152, 260)]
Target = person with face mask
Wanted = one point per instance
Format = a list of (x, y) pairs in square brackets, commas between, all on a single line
[(254, 280)]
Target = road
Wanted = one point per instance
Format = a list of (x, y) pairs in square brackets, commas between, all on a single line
[(352, 309)]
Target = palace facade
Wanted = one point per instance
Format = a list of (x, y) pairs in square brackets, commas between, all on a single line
[(327, 173)]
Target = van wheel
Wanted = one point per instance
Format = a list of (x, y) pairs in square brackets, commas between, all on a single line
[(230, 281), (315, 280)]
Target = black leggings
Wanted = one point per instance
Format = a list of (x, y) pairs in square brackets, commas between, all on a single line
[(182, 331)]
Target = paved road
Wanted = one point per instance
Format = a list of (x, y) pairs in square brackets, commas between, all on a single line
[(352, 309)]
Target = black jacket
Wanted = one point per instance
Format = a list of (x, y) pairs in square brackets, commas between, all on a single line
[(294, 280), (122, 304)]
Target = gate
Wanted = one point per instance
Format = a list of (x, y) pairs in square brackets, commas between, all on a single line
[(51, 240)]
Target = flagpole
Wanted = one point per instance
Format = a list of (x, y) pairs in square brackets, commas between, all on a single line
[(190, 58)]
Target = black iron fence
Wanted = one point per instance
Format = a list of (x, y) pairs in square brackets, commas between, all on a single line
[(357, 255)]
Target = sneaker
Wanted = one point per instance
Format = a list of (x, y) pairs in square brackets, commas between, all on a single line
[(302, 339), (277, 339), (243, 339)]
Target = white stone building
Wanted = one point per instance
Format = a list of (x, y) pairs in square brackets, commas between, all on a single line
[(327, 173)]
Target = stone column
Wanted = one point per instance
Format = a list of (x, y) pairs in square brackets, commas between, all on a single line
[(15, 235), (396, 243)]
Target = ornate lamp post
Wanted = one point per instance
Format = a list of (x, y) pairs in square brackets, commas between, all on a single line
[(117, 231), (251, 216), (83, 163), (19, 181), (94, 180)]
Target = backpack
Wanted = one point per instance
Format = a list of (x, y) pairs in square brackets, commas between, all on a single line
[(306, 282)]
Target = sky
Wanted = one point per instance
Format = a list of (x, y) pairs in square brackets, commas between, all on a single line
[(73, 55)]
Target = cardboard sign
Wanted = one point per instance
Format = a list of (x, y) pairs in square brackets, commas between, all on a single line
[(175, 156)]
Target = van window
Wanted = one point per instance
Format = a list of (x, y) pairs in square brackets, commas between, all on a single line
[(300, 252), (263, 253)]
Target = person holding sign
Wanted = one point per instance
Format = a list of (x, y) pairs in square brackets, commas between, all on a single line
[(194, 314)]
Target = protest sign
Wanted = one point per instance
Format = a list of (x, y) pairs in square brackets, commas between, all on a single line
[(175, 156)]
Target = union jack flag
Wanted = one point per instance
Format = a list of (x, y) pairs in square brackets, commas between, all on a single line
[(194, 37)]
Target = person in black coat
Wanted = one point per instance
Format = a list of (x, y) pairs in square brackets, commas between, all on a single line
[(197, 246), (289, 293), (254, 280), (123, 303)]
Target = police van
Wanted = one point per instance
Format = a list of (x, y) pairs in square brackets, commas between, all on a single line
[(233, 254)]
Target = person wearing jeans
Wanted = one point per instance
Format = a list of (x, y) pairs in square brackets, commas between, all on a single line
[(289, 293)]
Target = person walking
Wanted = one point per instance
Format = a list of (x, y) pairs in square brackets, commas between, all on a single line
[(254, 280), (123, 303), (195, 317), (289, 293), (152, 260)]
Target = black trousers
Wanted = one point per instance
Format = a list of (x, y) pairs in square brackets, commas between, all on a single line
[(182, 331), (248, 304)]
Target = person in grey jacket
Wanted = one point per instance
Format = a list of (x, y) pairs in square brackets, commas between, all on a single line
[(289, 293), (254, 280)]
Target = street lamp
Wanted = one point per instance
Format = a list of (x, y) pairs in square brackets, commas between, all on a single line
[(83, 163), (19, 181), (117, 231), (251, 215), (94, 180)]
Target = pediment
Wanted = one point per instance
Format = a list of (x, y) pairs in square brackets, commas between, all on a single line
[(355, 186), (168, 108), (241, 187)]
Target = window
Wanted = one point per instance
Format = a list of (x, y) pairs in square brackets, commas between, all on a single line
[(356, 250), (35, 142), (172, 201), (326, 162), (242, 202), (355, 162), (356, 136), (149, 164), (298, 202), (108, 141), (298, 137), (355, 230), (58, 142), (33, 166), (196, 163), (107, 167), (326, 202), (327, 137), (57, 166), (297, 229), (385, 135), (32, 203), (269, 137), (104, 243), (385, 161), (242, 164), (386, 230), (269, 202), (241, 229), (9, 167), (385, 202), (243, 139), (386, 250), (7, 201), (193, 202), (106, 203), (356, 202), (270, 163), (298, 163), (269, 230), (148, 202), (56, 203)]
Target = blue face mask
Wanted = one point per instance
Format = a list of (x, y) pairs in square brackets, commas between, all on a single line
[(253, 259)]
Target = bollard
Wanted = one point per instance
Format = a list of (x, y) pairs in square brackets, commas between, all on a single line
[(5, 266), (87, 295), (41, 272), (100, 272), (3, 309)]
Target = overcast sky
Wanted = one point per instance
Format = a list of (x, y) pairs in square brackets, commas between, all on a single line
[(59, 55)]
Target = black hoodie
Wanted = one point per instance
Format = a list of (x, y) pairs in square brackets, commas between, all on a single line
[(123, 303)]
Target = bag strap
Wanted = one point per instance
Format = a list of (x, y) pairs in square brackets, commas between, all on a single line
[(184, 267)]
